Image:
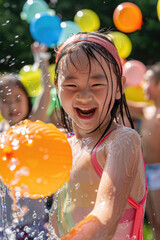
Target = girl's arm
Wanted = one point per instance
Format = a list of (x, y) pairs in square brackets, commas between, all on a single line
[(41, 57), (115, 187)]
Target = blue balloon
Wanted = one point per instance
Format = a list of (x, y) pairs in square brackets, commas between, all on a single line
[(68, 28), (46, 29), (32, 7)]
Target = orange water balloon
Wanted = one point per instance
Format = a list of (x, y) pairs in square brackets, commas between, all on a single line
[(127, 17), (35, 158)]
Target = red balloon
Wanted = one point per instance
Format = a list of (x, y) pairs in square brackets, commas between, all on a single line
[(127, 17), (134, 71)]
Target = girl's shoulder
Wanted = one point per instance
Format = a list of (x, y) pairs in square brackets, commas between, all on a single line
[(127, 130), (123, 136), (124, 132)]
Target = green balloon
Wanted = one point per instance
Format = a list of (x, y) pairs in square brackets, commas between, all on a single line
[(54, 101)]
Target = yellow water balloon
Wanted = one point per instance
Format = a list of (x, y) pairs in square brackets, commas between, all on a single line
[(122, 43), (87, 19), (1, 118), (158, 9), (136, 94), (52, 72), (31, 79)]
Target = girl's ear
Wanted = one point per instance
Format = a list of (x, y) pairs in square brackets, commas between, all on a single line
[(123, 81)]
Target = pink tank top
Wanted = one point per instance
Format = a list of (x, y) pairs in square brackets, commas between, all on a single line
[(132, 219)]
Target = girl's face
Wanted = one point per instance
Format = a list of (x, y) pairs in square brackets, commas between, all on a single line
[(13, 104), (85, 93), (150, 87)]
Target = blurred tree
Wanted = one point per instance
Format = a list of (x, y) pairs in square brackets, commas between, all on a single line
[(15, 37)]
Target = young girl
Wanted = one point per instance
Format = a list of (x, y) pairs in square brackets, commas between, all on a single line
[(105, 197), (15, 106)]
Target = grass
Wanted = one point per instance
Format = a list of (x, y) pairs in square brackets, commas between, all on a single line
[(147, 232)]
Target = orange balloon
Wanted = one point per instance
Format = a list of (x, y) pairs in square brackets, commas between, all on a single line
[(35, 158), (127, 17)]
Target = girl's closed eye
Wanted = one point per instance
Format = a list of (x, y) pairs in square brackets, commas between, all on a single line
[(69, 85), (98, 85)]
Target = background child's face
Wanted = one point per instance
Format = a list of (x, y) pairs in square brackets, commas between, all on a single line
[(86, 98), (13, 104), (150, 87)]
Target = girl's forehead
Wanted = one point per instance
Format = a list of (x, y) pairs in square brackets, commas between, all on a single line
[(79, 60), (11, 89)]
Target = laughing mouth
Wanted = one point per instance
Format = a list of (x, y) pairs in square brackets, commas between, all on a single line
[(85, 112)]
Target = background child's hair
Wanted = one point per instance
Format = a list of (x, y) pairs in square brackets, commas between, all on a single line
[(89, 49), (7, 80), (155, 68)]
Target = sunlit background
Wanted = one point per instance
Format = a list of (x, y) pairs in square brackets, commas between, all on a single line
[(136, 34)]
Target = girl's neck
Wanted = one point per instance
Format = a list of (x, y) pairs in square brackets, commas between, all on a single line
[(87, 138)]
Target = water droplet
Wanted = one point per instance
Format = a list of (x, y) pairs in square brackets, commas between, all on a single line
[(34, 215), (77, 186)]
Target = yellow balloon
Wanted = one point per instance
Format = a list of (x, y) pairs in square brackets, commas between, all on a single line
[(1, 118), (158, 9), (31, 79), (52, 72), (122, 43), (87, 19), (136, 94)]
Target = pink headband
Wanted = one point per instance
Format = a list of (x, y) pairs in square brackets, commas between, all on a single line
[(95, 39)]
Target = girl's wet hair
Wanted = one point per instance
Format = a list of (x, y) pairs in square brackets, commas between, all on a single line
[(90, 48), (8, 80)]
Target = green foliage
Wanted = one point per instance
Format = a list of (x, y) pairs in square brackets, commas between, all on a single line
[(147, 232), (15, 38)]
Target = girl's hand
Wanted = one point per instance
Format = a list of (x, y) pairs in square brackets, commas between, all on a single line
[(40, 53), (36, 47)]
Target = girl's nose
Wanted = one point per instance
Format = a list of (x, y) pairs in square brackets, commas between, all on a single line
[(84, 95), (12, 106)]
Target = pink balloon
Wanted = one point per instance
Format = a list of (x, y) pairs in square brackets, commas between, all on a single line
[(134, 71)]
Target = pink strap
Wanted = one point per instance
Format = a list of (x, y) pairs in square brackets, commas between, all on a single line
[(138, 223), (95, 164)]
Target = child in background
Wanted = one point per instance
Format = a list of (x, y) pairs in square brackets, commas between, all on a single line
[(15, 106), (105, 197), (150, 131)]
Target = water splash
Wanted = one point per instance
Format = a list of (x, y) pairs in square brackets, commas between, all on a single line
[(52, 211), (6, 231)]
